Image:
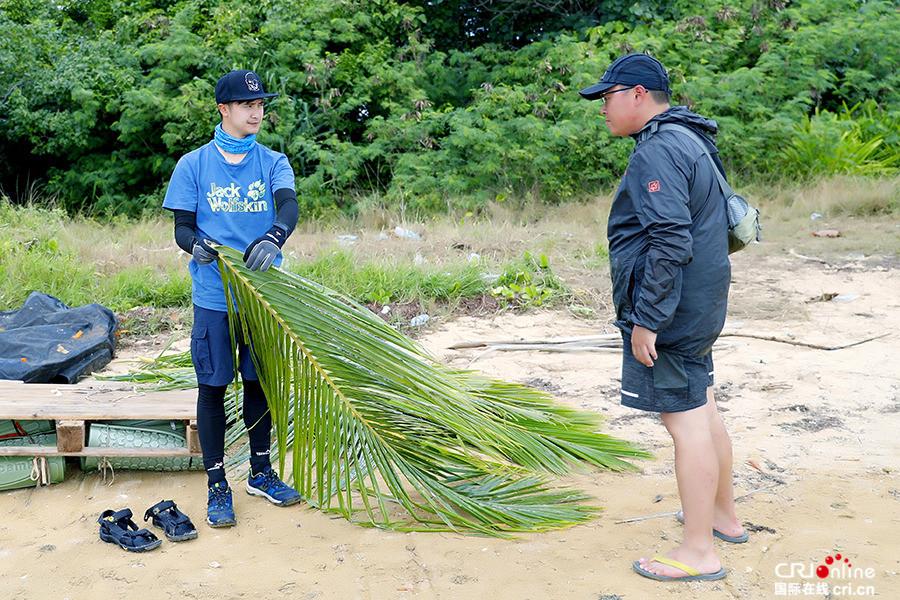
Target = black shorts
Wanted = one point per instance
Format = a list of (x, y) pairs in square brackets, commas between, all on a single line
[(675, 383)]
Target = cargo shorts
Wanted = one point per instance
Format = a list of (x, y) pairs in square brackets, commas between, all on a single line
[(675, 382), (211, 350)]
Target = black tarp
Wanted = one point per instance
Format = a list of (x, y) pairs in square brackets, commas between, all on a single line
[(45, 341)]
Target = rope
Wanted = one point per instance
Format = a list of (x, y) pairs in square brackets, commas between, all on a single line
[(103, 465), (39, 473)]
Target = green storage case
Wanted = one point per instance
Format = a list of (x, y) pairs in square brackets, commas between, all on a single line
[(8, 428), (141, 434), (16, 471)]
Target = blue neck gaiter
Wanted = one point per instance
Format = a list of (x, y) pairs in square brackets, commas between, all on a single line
[(232, 144)]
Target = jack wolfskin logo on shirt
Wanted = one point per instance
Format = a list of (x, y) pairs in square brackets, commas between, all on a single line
[(653, 186), (228, 199)]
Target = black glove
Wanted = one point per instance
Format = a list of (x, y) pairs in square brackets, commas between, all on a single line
[(263, 250), (202, 252)]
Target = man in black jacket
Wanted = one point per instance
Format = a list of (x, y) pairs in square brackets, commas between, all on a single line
[(668, 249)]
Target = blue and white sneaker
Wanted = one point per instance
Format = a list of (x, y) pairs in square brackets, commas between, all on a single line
[(219, 506), (269, 486)]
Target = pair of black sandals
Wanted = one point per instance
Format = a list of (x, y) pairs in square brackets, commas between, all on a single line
[(116, 527)]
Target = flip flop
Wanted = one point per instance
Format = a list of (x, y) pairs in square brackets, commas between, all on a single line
[(692, 573), (116, 527), (176, 525), (731, 539)]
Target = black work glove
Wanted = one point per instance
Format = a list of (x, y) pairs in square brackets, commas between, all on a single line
[(202, 252), (262, 251)]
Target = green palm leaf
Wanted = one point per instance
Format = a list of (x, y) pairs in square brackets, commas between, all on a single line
[(382, 434), (570, 433)]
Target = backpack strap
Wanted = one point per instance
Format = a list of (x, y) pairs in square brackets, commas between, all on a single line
[(647, 133), (723, 185)]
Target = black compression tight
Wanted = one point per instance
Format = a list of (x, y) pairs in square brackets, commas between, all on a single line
[(211, 427), (258, 420)]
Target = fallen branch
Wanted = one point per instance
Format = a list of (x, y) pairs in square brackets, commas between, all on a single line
[(491, 347), (557, 348), (648, 517), (675, 512), (600, 340), (762, 489), (793, 252), (613, 343), (772, 338)]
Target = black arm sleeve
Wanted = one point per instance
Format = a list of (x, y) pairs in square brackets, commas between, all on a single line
[(287, 209), (185, 229)]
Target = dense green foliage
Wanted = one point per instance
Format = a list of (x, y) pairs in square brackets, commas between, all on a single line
[(431, 106)]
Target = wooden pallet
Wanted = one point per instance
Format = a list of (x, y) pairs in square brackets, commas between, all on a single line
[(71, 406)]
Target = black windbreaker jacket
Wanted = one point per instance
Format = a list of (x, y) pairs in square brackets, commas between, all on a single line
[(668, 238)]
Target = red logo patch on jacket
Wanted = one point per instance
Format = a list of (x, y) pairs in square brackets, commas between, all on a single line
[(653, 186)]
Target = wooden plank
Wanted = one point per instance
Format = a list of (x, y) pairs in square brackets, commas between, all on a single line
[(93, 401), (96, 452), (72, 405), (193, 438), (69, 436)]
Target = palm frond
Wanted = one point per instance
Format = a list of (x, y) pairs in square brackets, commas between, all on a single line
[(572, 434), (382, 434)]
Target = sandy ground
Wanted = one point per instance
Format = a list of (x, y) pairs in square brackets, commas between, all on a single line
[(816, 438)]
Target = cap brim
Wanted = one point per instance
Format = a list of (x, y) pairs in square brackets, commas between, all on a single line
[(596, 91), (249, 97)]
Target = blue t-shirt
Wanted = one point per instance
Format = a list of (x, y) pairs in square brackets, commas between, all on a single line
[(234, 205)]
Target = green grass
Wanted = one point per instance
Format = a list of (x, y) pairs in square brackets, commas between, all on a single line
[(40, 265), (383, 282), (865, 210), (142, 286), (125, 264), (36, 256), (64, 275)]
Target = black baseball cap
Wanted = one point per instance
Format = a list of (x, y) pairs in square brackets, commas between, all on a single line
[(631, 69), (238, 86)]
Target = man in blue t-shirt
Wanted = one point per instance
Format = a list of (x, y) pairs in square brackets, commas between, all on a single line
[(235, 192)]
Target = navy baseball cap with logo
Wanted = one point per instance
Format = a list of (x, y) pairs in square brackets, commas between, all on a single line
[(238, 86), (630, 70)]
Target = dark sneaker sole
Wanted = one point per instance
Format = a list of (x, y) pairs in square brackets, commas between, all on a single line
[(256, 492), (221, 524)]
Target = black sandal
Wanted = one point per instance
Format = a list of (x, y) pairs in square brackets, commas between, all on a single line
[(116, 527), (176, 525)]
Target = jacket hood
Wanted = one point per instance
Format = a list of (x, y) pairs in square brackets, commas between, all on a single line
[(683, 116)]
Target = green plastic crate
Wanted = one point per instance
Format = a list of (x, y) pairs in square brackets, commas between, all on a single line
[(140, 434), (15, 471), (29, 427)]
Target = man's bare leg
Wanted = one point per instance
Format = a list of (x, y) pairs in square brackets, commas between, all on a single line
[(697, 474), (724, 517)]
